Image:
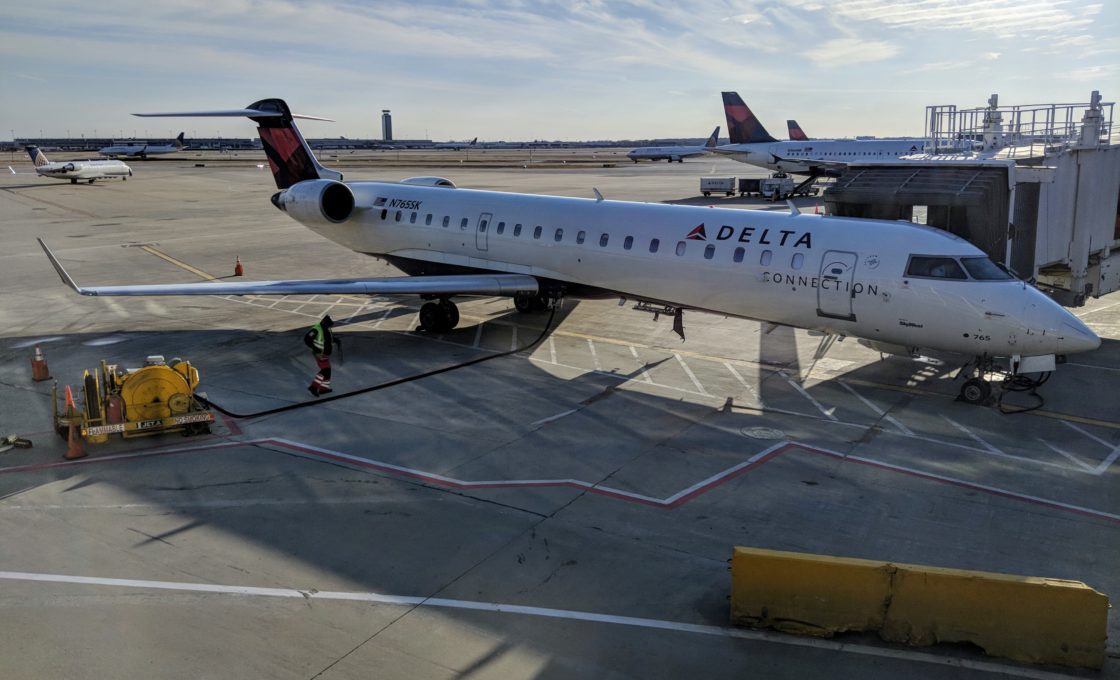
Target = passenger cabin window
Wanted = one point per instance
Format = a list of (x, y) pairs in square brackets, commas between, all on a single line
[(537, 231), (709, 251), (482, 225), (384, 213), (397, 217), (680, 247), (463, 223), (446, 220), (428, 220), (765, 258), (983, 269), (412, 218), (798, 260), (517, 230), (603, 240), (628, 243), (581, 236), (501, 228), (931, 267), (559, 235), (654, 245), (739, 252)]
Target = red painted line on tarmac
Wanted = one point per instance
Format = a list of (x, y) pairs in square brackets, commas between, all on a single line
[(687, 495)]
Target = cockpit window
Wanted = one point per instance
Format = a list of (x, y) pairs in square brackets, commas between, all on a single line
[(983, 269), (935, 267)]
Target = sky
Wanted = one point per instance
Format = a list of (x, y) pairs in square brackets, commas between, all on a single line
[(516, 70)]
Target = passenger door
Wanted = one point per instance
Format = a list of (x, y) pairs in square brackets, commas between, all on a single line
[(835, 293)]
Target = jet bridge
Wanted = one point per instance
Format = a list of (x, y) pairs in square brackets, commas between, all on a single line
[(1035, 187)]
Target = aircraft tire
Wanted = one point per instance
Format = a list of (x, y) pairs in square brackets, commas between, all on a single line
[(523, 302), (976, 391), (73, 181), (430, 317), (450, 312)]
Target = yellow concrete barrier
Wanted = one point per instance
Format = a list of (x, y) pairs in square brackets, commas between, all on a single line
[(1037, 620)]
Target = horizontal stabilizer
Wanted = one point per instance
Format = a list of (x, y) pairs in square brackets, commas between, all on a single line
[(229, 113)]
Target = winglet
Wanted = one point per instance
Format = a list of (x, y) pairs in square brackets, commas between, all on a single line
[(59, 269), (598, 196), (792, 208)]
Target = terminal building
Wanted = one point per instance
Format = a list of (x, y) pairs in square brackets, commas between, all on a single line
[(1036, 187)]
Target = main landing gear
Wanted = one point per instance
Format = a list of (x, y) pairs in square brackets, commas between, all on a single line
[(531, 302), (439, 316)]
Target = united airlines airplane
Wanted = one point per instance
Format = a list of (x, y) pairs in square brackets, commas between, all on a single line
[(674, 153), (892, 283), (87, 171), (751, 143)]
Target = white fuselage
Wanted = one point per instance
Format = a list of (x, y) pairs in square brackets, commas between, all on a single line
[(138, 149), (793, 156), (836, 275), (84, 170), (669, 153)]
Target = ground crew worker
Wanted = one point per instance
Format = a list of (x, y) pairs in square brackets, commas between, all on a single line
[(321, 341)]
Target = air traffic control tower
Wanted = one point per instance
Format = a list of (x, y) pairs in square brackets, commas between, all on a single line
[(386, 125), (1035, 187)]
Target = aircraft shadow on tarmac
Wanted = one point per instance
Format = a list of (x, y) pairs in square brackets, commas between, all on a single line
[(491, 422)]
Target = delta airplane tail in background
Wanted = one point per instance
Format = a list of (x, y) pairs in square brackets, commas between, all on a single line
[(742, 126), (796, 134), (674, 153)]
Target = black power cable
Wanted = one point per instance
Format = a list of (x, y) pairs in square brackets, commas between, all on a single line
[(391, 383)]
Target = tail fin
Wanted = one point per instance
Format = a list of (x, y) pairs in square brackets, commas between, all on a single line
[(795, 132), (473, 141), (38, 158), (713, 140), (179, 143), (742, 126), (289, 156)]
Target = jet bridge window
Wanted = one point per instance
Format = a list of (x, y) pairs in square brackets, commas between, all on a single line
[(932, 267), (983, 269)]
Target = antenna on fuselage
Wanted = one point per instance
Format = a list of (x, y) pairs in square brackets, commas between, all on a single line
[(598, 196), (792, 208)]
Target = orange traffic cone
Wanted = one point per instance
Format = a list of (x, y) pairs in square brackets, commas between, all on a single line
[(238, 270), (74, 448), (71, 408), (39, 370), (817, 209)]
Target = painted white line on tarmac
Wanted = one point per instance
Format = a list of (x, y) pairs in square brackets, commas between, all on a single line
[(1067, 455), (594, 355), (477, 336), (805, 393), (545, 612), (552, 348), (883, 414), (643, 373), (745, 384), (691, 375), (975, 437), (549, 419)]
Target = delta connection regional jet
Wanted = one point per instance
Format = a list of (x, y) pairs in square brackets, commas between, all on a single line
[(897, 285), (86, 171)]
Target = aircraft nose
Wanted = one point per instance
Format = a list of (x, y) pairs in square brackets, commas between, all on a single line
[(1076, 336)]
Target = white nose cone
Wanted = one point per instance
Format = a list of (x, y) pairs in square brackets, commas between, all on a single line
[(1076, 336)]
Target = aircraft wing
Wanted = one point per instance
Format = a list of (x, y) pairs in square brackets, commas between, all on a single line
[(463, 284), (815, 165)]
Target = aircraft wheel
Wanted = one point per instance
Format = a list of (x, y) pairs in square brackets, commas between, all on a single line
[(976, 391), (73, 181), (431, 316), (523, 302), (91, 181), (450, 313)]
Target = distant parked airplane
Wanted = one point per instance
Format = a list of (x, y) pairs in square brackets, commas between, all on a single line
[(142, 149), (751, 143), (456, 146), (77, 170), (674, 153)]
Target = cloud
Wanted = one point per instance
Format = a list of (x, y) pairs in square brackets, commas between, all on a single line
[(847, 51)]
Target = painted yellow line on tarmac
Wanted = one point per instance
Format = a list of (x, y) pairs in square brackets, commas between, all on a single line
[(179, 263)]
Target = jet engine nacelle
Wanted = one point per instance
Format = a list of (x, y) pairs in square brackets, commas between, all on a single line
[(316, 200)]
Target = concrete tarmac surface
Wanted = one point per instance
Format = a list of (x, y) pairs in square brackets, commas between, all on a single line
[(564, 511)]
